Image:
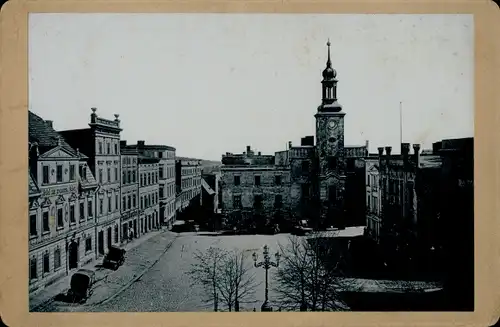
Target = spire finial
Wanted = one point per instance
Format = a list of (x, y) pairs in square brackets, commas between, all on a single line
[(329, 62)]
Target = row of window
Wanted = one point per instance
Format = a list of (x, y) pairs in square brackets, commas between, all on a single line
[(149, 178), (258, 200), (46, 266), (167, 173), (257, 180), (109, 178), (110, 204), (170, 191), (60, 174), (128, 177), (169, 154), (190, 171), (126, 160), (190, 182), (188, 195), (149, 200), (35, 227), (108, 148)]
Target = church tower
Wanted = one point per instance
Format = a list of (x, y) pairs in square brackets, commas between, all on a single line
[(330, 147)]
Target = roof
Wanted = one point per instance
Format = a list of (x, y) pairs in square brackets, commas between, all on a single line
[(354, 231), (430, 161), (32, 186), (207, 187), (89, 180), (47, 138)]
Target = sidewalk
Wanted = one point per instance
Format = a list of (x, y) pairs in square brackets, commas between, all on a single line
[(107, 280)]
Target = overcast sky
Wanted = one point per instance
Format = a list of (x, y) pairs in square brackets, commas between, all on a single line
[(214, 83)]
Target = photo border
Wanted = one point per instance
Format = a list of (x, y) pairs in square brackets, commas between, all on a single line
[(14, 164)]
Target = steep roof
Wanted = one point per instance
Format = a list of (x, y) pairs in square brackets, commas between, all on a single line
[(32, 187), (41, 132)]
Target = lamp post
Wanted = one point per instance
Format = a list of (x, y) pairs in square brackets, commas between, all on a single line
[(266, 264)]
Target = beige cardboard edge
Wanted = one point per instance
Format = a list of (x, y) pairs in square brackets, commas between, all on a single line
[(13, 165)]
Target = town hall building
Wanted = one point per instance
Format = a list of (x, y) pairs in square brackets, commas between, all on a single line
[(317, 182)]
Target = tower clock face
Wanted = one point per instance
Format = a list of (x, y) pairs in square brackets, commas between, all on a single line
[(331, 125)]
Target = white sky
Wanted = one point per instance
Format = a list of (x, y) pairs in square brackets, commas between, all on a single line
[(214, 83)]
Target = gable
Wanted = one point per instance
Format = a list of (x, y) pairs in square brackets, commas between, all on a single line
[(59, 152)]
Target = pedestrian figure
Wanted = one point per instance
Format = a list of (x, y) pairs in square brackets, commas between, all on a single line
[(130, 234), (254, 310)]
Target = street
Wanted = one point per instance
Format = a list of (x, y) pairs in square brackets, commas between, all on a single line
[(165, 286)]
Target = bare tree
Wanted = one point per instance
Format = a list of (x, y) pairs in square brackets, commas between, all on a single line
[(225, 277), (206, 271), (309, 275), (236, 283)]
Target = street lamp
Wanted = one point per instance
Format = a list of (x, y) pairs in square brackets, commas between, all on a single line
[(266, 264)]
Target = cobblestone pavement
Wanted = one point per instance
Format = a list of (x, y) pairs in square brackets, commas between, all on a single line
[(166, 287), (110, 283)]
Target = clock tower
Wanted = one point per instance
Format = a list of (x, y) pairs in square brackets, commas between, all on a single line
[(330, 146)]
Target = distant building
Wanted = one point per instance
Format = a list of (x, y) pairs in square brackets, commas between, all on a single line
[(61, 206), (149, 193), (373, 198), (456, 220), (166, 180), (254, 188), (129, 192), (410, 203), (188, 181), (101, 144)]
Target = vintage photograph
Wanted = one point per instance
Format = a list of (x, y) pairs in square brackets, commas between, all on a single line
[(250, 162)]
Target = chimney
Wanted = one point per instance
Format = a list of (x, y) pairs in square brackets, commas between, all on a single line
[(123, 143), (140, 144), (367, 143), (49, 123), (388, 150), (416, 150), (405, 150), (248, 148), (289, 144), (259, 153)]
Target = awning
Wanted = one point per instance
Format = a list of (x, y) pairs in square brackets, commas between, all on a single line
[(207, 187)]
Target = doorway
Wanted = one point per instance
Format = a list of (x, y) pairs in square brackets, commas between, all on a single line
[(73, 255), (109, 237), (101, 242)]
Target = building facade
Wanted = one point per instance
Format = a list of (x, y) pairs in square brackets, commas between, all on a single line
[(254, 189), (129, 192), (101, 144), (325, 182), (149, 194), (373, 198), (188, 181), (61, 206), (166, 177)]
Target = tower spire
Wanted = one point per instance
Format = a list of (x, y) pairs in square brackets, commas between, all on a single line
[(328, 62)]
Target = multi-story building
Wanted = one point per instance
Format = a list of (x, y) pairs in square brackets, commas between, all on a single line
[(254, 189), (188, 181), (410, 203), (326, 180), (129, 192), (101, 144), (61, 206), (149, 193), (373, 198), (456, 220), (166, 181)]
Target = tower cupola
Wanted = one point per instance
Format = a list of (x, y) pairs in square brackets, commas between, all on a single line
[(329, 87)]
